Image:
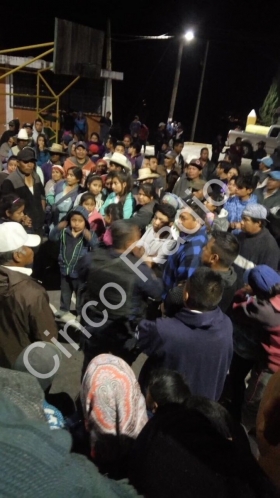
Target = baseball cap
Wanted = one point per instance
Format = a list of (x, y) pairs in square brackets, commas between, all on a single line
[(81, 144), (256, 211), (275, 175), (267, 161), (171, 154), (261, 278), (26, 155), (195, 162), (13, 236), (27, 125)]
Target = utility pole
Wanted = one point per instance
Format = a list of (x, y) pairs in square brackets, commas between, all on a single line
[(199, 92), (107, 98), (176, 79)]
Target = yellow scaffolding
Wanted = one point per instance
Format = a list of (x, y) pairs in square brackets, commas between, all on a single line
[(54, 98)]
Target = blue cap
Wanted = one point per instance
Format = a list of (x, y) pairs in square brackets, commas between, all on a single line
[(275, 175), (267, 161), (82, 211), (256, 211), (261, 278)]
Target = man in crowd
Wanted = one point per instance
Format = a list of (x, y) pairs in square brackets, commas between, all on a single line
[(258, 154), (8, 133), (38, 129), (208, 167), (257, 245), (182, 264), (81, 160), (269, 196), (24, 304), (180, 161), (110, 147), (27, 185), (191, 181), (105, 126), (22, 141), (265, 164), (135, 127), (11, 167), (136, 158), (56, 157), (115, 267), (29, 128), (197, 342)]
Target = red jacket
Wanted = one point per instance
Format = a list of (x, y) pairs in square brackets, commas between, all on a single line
[(263, 318)]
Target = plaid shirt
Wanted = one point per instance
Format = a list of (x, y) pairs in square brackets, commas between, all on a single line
[(235, 207), (182, 264)]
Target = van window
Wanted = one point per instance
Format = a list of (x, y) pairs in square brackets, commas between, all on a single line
[(275, 132)]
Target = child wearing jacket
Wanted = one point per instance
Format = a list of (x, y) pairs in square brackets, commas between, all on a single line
[(76, 240)]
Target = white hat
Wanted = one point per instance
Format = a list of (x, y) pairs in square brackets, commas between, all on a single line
[(22, 135), (121, 160), (13, 237), (145, 174)]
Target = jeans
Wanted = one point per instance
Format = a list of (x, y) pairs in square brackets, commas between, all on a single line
[(68, 285), (253, 395)]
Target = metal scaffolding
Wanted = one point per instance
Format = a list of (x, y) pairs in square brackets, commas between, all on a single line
[(54, 98)]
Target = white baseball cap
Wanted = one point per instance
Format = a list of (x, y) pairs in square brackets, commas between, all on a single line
[(13, 236)]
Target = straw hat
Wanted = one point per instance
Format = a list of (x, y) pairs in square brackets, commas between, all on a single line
[(22, 135), (145, 174), (121, 160), (57, 149)]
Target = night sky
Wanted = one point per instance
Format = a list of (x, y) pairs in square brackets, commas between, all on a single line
[(244, 54)]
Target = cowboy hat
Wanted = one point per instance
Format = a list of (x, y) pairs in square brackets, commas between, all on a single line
[(22, 135), (145, 174), (57, 149), (120, 160)]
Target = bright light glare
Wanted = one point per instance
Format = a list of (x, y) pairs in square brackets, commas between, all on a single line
[(189, 35)]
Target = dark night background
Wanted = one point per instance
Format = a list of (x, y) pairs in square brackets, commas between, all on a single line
[(243, 57)]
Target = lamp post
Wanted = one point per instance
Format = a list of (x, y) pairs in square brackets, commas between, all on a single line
[(199, 92), (189, 36)]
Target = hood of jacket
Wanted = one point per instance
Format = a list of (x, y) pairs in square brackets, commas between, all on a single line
[(223, 214), (229, 277), (205, 320), (8, 279)]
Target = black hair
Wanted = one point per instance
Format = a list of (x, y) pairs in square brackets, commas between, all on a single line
[(205, 289), (92, 178), (196, 209), (153, 157), (215, 413), (137, 147), (95, 133), (123, 178), (177, 142), (11, 203), (115, 211), (225, 166), (111, 175), (38, 120), (204, 148), (41, 135), (113, 141), (247, 181), (166, 210), (166, 386), (261, 222), (217, 197), (77, 172), (86, 196), (12, 158), (226, 246), (148, 189), (121, 232), (120, 143), (234, 177)]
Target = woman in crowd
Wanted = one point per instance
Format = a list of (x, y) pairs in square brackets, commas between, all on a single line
[(114, 412), (217, 216), (41, 150), (233, 172), (165, 386), (63, 197), (57, 175), (121, 186), (145, 208), (5, 149), (95, 139)]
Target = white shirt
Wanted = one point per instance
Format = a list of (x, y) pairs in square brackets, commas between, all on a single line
[(155, 248)]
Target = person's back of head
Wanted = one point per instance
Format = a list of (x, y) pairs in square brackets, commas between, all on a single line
[(204, 290), (137, 147), (167, 210), (226, 246), (215, 413), (247, 181), (166, 386), (124, 234)]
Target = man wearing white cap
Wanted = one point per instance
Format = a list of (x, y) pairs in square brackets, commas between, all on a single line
[(24, 306), (22, 141)]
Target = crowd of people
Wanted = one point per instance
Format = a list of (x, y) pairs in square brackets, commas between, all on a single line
[(177, 260)]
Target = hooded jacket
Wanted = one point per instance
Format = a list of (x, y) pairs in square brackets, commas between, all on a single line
[(221, 221), (25, 314), (197, 345), (72, 162)]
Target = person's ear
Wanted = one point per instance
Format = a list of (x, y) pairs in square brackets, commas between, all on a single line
[(17, 256), (214, 258), (154, 407), (186, 296), (7, 213)]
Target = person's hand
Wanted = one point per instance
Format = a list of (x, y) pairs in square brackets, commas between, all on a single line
[(62, 224), (247, 290), (237, 226), (87, 234), (138, 251), (26, 221)]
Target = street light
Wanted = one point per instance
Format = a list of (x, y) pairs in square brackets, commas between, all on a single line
[(188, 36)]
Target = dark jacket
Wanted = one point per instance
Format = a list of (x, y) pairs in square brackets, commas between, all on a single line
[(208, 171), (143, 215), (271, 201), (15, 184), (25, 314), (258, 249), (73, 250), (197, 345), (184, 184)]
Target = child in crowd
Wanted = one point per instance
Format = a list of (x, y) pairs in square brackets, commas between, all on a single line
[(113, 212), (12, 209), (217, 217), (108, 184), (75, 241), (121, 186), (94, 186), (245, 186), (95, 219)]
